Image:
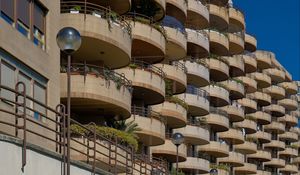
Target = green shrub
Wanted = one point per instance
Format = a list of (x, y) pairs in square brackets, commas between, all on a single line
[(293, 146), (249, 117), (122, 137), (177, 100), (173, 172), (133, 66), (220, 166)]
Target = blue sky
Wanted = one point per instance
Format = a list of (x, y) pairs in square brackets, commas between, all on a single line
[(275, 24)]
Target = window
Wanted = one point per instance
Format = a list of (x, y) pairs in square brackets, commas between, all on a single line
[(30, 19), (7, 10), (27, 81), (39, 94), (7, 79)]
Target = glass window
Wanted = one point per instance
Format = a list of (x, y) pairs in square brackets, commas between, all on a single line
[(7, 79), (39, 94), (23, 7), (7, 9)]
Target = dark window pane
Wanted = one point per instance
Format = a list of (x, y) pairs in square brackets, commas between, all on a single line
[(6, 18), (23, 11), (7, 7), (39, 18)]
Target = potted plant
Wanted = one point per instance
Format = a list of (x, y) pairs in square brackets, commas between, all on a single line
[(75, 9)]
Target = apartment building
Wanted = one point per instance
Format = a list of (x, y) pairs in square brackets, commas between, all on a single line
[(186, 66)]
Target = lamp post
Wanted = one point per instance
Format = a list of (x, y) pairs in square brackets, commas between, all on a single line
[(213, 171), (68, 40), (177, 140)]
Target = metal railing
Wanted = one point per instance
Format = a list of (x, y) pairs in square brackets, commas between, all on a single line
[(196, 91), (51, 134), (135, 63), (215, 110), (88, 8), (85, 69), (146, 112), (179, 65)]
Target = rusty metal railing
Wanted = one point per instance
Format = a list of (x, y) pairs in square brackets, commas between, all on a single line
[(86, 145)]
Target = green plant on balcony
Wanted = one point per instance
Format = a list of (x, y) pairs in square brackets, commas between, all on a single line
[(76, 8), (128, 127), (168, 87), (251, 139), (293, 146), (173, 172), (249, 117), (132, 66), (220, 166), (176, 100), (237, 81), (78, 131)]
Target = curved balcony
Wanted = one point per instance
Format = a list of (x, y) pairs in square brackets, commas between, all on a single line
[(234, 159), (197, 43), (248, 125), (289, 120), (264, 59), (250, 43), (105, 39), (248, 168), (250, 105), (176, 72), (218, 17), (261, 98), (197, 101), (260, 172), (176, 47), (219, 2), (236, 19), (289, 152), (296, 160), (197, 15), (275, 127), (96, 88), (194, 134), (235, 112), (233, 136), (295, 130), (237, 65), (262, 117), (197, 72), (276, 92), (194, 165), (246, 148), (147, 80), (276, 75), (250, 85), (263, 80), (275, 144), (147, 40), (218, 95), (288, 136), (288, 76), (275, 163), (177, 9), (290, 104), (236, 43), (219, 68), (260, 155), (250, 63), (290, 87), (174, 114), (152, 126), (275, 110), (219, 43), (292, 169), (215, 148), (168, 151), (236, 88), (217, 120), (261, 136)]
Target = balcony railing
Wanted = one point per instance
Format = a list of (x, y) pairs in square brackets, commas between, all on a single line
[(146, 112), (87, 146), (196, 91), (88, 8), (88, 69), (136, 63), (179, 65)]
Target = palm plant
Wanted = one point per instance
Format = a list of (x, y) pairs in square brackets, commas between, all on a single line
[(128, 127)]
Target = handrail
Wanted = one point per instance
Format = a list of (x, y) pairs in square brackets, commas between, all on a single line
[(146, 112), (133, 16), (179, 65), (88, 8), (88, 146), (197, 91), (218, 111), (147, 66), (85, 69)]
